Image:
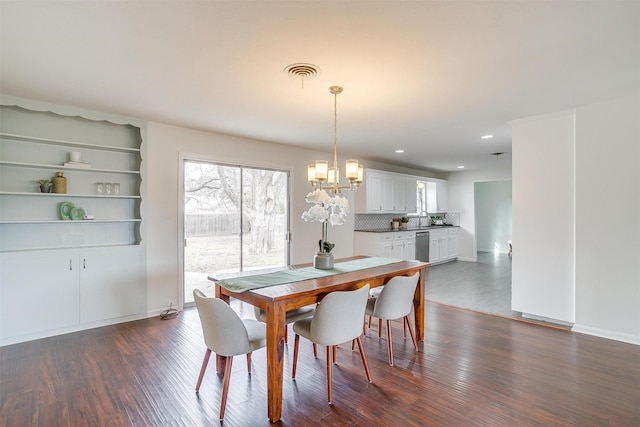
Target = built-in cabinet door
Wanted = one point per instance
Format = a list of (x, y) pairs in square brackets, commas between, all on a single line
[(398, 249), (410, 249), (442, 195), (38, 292), (374, 192), (453, 243), (411, 197), (399, 194), (386, 250), (444, 247), (111, 283), (434, 248), (387, 194)]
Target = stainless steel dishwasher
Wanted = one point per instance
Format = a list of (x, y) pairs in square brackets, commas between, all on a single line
[(422, 246)]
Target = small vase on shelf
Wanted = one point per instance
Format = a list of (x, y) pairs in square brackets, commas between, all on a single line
[(59, 183)]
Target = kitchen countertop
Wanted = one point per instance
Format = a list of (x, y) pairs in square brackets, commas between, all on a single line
[(389, 230)]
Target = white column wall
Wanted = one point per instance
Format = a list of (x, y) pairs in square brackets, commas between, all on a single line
[(543, 270), (608, 219)]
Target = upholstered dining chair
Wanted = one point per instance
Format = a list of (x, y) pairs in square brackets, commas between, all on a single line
[(337, 319), (227, 335), (394, 302)]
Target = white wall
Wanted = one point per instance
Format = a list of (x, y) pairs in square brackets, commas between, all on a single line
[(165, 146), (543, 269), (493, 216), (462, 199), (608, 219)]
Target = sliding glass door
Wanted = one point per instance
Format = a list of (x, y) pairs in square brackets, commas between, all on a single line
[(235, 219)]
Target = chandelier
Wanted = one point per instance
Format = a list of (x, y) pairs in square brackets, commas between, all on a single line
[(320, 172)]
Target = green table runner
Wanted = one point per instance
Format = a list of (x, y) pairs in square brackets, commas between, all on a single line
[(246, 283)]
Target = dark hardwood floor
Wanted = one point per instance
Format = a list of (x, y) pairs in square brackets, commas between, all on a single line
[(472, 370)]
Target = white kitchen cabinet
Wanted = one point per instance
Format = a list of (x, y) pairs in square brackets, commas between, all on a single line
[(377, 194), (404, 194), (386, 192), (443, 244), (453, 243), (437, 195), (393, 244), (442, 195)]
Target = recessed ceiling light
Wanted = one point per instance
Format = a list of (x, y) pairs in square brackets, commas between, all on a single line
[(460, 167), (400, 150), (487, 136)]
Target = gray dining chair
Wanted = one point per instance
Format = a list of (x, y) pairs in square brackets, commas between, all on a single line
[(337, 319), (226, 334), (395, 301)]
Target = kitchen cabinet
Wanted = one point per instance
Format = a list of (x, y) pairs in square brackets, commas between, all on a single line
[(393, 244), (437, 195), (386, 192), (404, 194), (443, 244), (45, 293)]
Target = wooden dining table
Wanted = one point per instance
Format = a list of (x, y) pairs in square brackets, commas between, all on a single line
[(278, 299)]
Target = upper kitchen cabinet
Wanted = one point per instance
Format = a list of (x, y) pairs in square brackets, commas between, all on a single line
[(386, 192), (436, 195)]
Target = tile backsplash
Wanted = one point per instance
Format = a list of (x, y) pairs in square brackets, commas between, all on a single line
[(383, 221)]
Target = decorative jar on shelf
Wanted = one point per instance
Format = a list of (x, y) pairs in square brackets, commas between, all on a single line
[(59, 183)]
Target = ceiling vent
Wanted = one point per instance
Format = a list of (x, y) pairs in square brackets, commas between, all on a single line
[(302, 71)]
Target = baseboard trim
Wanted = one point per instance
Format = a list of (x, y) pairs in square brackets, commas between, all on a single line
[(604, 333)]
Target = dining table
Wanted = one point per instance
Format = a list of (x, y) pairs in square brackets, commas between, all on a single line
[(286, 288)]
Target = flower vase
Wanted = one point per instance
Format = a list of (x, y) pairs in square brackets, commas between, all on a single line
[(323, 261)]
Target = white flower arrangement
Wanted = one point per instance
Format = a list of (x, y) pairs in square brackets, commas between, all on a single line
[(326, 208)]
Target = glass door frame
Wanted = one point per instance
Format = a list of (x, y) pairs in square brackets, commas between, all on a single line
[(185, 157)]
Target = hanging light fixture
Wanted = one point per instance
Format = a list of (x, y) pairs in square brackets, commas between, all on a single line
[(320, 172)]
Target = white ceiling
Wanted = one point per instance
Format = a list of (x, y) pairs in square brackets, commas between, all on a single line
[(429, 77)]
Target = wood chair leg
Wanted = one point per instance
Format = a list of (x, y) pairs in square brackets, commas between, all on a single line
[(389, 343), (329, 374), (249, 363), (315, 350), (296, 342), (335, 354), (205, 362), (407, 323), (379, 328), (286, 334), (225, 386), (364, 359)]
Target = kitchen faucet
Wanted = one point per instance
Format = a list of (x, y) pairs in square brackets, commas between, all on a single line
[(420, 218)]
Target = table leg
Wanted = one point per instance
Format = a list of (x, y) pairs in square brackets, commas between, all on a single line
[(221, 361), (275, 359), (418, 305)]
